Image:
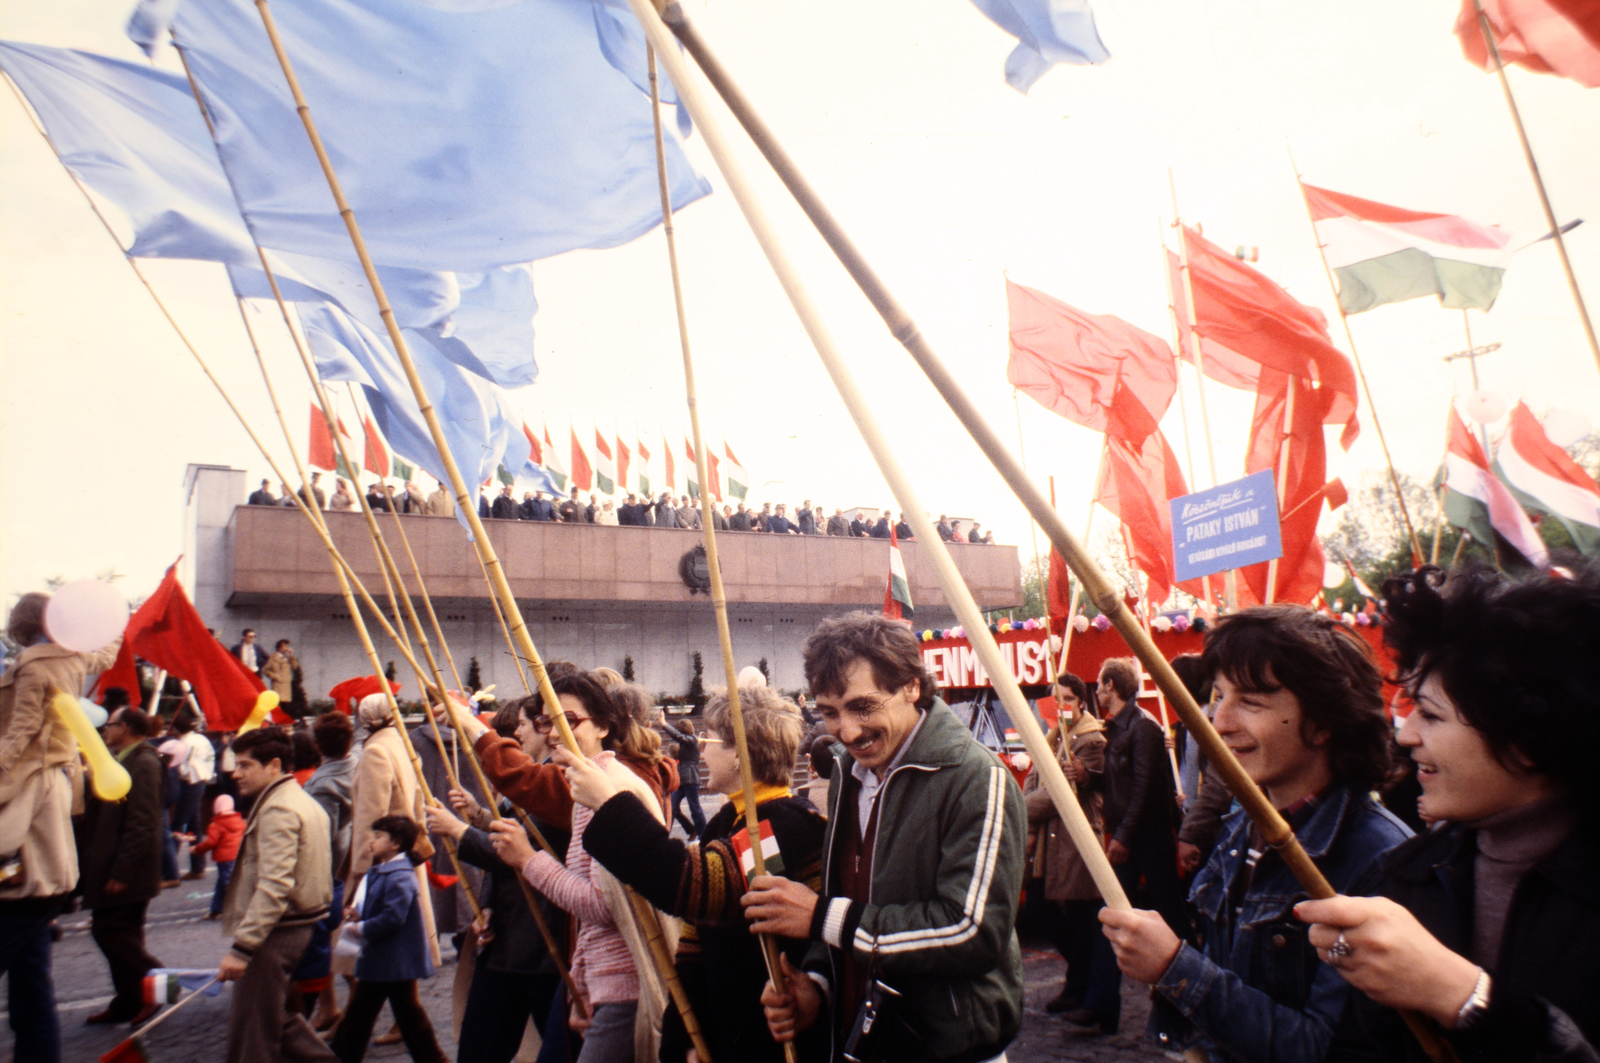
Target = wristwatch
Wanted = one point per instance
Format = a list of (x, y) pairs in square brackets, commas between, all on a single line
[(1477, 1005)]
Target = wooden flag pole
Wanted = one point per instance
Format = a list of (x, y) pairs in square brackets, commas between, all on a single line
[(1361, 374), (1284, 451), (936, 552), (719, 596), (1538, 183)]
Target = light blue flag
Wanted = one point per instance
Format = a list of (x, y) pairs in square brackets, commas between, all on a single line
[(135, 135), (481, 429), (1048, 32), (466, 133)]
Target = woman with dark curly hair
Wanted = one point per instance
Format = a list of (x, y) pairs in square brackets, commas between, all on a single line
[(1489, 924)]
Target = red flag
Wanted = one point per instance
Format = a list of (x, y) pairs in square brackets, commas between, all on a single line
[(167, 632), (582, 472), (622, 465), (1093, 369), (1228, 368), (1058, 591), (377, 459), (535, 445), (715, 473), (1300, 492), (1559, 37), (1244, 312), (130, 1051), (1136, 484), (122, 673), (320, 451)]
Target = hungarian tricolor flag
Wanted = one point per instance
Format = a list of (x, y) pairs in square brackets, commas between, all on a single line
[(605, 465), (897, 597), (644, 468), (582, 471), (164, 985), (551, 460), (738, 479), (1546, 480), (535, 445), (691, 475), (377, 459), (1477, 502), (623, 458), (1382, 254)]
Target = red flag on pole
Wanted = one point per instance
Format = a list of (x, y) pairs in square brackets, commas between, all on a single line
[(1093, 369), (1136, 484), (1242, 311), (1560, 37), (168, 632), (377, 459), (1058, 589), (320, 450), (1300, 493), (582, 471), (622, 465), (713, 470)]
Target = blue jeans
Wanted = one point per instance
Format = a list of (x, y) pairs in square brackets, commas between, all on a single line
[(609, 1038), (25, 959), (690, 791), (224, 876), (169, 848), (499, 1005)]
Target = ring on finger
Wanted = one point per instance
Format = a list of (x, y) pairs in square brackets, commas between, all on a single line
[(1339, 951)]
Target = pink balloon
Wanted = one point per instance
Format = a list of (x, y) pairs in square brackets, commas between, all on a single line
[(86, 615)]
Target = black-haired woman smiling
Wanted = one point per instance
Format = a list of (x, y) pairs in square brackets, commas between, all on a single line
[(1489, 923)]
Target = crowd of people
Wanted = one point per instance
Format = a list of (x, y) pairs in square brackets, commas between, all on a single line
[(664, 511), (1469, 918)]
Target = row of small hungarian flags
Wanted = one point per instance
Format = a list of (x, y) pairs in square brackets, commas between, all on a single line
[(615, 468), (1105, 374)]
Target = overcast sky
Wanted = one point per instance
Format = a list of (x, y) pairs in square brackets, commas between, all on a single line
[(948, 180)]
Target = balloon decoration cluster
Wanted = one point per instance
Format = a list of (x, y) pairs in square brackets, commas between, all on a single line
[(999, 628), (1080, 624)]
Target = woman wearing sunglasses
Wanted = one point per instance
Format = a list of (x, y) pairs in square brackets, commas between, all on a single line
[(1489, 923)]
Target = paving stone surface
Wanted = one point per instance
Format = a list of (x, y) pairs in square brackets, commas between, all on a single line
[(178, 935)]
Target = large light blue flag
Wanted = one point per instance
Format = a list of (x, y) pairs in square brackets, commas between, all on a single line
[(466, 133), (1048, 32), (135, 135)]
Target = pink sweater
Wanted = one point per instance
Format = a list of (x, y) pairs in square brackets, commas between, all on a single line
[(601, 962)]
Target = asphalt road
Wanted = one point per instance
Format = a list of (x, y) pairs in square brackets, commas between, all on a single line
[(179, 936)]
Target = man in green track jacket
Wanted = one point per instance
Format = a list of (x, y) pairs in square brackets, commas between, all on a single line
[(923, 867)]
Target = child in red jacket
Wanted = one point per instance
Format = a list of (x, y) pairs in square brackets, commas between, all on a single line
[(222, 842)]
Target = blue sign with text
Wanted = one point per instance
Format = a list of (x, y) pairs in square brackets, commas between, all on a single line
[(1227, 526)]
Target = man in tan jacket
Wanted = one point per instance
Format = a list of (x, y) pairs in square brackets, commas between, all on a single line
[(282, 884), (279, 671), (440, 504)]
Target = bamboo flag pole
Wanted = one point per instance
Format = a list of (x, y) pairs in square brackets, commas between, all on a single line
[(1361, 374), (1538, 183), (1191, 333), (936, 552), (719, 596), (1274, 829)]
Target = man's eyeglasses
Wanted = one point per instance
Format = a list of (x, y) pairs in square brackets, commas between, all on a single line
[(544, 724)]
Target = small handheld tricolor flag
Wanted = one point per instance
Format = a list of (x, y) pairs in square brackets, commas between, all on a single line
[(740, 840), (164, 985)]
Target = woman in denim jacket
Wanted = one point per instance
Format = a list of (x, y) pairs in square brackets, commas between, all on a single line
[(1299, 702)]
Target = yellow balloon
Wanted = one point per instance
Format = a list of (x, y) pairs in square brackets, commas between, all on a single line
[(109, 778), (265, 703)]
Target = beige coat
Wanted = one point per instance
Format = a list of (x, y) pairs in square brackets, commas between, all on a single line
[(279, 674), (386, 785), (1066, 877), (283, 875), (440, 504), (39, 769)]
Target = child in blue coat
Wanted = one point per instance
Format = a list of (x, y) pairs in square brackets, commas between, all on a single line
[(394, 950)]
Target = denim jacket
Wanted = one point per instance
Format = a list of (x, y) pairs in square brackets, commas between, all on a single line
[(1251, 988)]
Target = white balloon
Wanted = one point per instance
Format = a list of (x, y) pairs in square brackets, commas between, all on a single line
[(97, 715), (1333, 575), (1565, 427), (1485, 407), (86, 615), (750, 676), (1021, 762)]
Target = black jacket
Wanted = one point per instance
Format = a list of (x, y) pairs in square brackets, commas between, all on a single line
[(903, 531), (880, 530), (517, 946), (740, 521), (1544, 1001), (263, 497), (379, 500), (779, 525), (837, 525), (1137, 783), (503, 508), (860, 529), (807, 522), (122, 839)]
